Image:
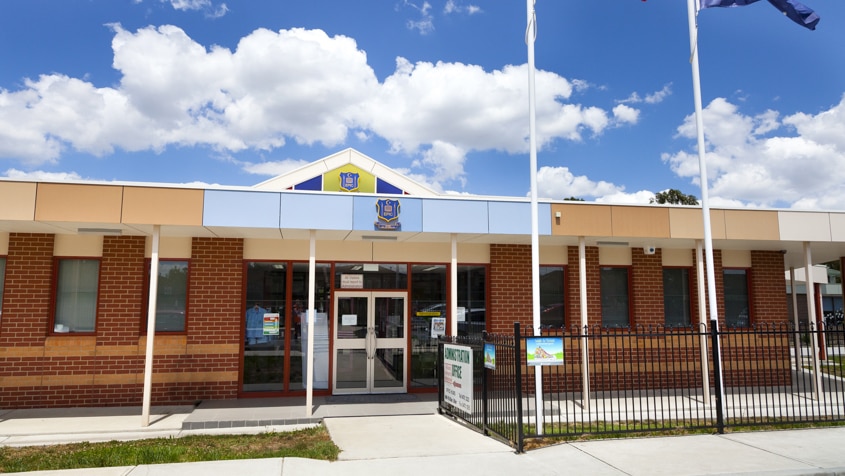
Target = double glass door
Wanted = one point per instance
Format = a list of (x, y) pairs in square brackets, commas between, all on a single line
[(369, 342)]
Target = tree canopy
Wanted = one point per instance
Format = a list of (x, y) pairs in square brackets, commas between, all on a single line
[(673, 197)]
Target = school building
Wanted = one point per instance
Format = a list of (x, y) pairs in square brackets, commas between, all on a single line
[(395, 265)]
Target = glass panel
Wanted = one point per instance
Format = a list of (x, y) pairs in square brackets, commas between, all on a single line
[(172, 296), (388, 368), (676, 297), (736, 298), (472, 293), (614, 297), (352, 318), (351, 368), (299, 328), (428, 302), (371, 276), (551, 297), (264, 337), (390, 318), (76, 295)]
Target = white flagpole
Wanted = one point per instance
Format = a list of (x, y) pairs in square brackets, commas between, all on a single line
[(530, 36), (692, 12)]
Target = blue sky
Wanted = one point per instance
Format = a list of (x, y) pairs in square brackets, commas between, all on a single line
[(207, 92)]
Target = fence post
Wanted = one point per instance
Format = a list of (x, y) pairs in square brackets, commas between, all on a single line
[(484, 371), (717, 374), (517, 341), (438, 369)]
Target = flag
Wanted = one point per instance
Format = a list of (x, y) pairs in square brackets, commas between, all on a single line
[(797, 12)]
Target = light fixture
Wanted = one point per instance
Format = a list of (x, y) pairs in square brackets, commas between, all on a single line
[(378, 237), (100, 231), (612, 243)]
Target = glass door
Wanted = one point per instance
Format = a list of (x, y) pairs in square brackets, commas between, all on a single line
[(369, 342)]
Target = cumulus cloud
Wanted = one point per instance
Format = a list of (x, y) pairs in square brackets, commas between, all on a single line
[(761, 161), (39, 175), (211, 10), (559, 183), (651, 98), (274, 168)]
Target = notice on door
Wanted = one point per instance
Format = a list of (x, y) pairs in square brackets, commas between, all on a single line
[(457, 376)]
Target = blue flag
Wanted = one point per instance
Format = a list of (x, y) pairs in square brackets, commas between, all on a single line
[(797, 12)]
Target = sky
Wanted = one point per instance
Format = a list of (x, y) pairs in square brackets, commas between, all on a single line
[(232, 93)]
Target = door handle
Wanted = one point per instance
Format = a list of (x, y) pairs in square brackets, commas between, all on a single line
[(371, 340)]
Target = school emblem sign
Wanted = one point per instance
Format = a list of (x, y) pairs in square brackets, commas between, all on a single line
[(388, 215), (349, 181)]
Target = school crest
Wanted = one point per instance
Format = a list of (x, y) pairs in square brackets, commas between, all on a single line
[(388, 214), (349, 181)]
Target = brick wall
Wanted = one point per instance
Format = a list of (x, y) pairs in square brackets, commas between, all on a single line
[(647, 288), (510, 288), (27, 293), (573, 281), (768, 287)]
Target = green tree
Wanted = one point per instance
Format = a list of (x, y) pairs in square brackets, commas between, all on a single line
[(574, 199), (673, 197)]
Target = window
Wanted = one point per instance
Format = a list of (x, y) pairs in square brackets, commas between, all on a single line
[(77, 283), (472, 296), (428, 317), (737, 312), (551, 297), (676, 297), (614, 297), (172, 296)]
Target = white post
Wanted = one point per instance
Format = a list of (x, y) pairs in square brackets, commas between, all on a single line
[(813, 327), (310, 316), (692, 12), (585, 350), (797, 335), (453, 288), (151, 328), (702, 321)]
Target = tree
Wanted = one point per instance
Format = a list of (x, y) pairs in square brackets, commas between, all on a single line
[(673, 197), (574, 199)]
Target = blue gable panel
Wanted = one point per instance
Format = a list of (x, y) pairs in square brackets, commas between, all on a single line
[(544, 217), (316, 212), (384, 187), (315, 184), (244, 209), (455, 216), (366, 214), (514, 218)]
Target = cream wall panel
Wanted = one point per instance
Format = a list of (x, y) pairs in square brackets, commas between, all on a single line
[(751, 225), (736, 258), (677, 257), (472, 253), (256, 249), (614, 256), (412, 252), (689, 223), (345, 251), (4, 243), (650, 222), (170, 247), (78, 203), (17, 201), (582, 220), (837, 226), (804, 226), (162, 206), (553, 255), (78, 245)]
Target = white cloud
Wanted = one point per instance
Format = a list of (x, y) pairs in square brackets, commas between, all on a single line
[(214, 11), (456, 7), (755, 161), (42, 175), (425, 24), (626, 114), (559, 183), (274, 168), (651, 98)]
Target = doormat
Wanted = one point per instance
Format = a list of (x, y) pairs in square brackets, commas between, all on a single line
[(389, 398)]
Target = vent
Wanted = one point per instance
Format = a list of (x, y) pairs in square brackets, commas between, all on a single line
[(378, 237), (99, 231), (612, 243)]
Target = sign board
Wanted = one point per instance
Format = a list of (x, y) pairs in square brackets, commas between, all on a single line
[(352, 281), (544, 350), (457, 376), (271, 324), (349, 320), (438, 327), (489, 356)]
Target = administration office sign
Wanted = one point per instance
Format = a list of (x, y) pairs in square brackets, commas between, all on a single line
[(457, 376)]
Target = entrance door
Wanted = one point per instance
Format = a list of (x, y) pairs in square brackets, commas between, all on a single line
[(369, 342)]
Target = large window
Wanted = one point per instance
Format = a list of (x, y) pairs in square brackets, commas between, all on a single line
[(77, 282), (264, 348), (615, 297), (737, 312), (428, 321), (172, 296), (472, 296), (298, 327), (371, 276), (676, 297), (551, 297)]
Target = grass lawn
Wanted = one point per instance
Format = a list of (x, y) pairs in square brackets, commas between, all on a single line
[(313, 443)]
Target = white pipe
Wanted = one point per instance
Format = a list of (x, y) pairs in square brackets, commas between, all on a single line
[(310, 316), (796, 335), (453, 287), (702, 321), (585, 350), (151, 328), (811, 316)]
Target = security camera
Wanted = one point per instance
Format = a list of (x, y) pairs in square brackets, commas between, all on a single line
[(649, 250)]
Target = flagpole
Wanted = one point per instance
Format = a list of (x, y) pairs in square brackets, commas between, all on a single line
[(530, 37), (692, 11)]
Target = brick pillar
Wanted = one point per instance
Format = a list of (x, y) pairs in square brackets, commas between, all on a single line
[(121, 298), (510, 288), (27, 295), (573, 283), (647, 288)]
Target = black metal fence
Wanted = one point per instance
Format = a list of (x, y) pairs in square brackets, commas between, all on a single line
[(652, 379)]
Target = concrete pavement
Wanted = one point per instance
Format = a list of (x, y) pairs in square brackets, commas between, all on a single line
[(429, 444)]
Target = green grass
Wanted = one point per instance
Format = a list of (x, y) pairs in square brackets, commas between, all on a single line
[(314, 443), (833, 365)]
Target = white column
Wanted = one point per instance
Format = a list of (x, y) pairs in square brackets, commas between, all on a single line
[(310, 317), (796, 335), (585, 350), (811, 315), (702, 321), (453, 287), (151, 328)]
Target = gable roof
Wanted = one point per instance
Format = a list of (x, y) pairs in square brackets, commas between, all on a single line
[(324, 175)]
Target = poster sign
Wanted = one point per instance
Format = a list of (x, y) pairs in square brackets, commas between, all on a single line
[(271, 324), (438, 327), (489, 356), (544, 350), (349, 320), (352, 281), (457, 376)]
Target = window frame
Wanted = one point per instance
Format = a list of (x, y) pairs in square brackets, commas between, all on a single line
[(688, 295), (54, 307), (629, 296), (145, 307)]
